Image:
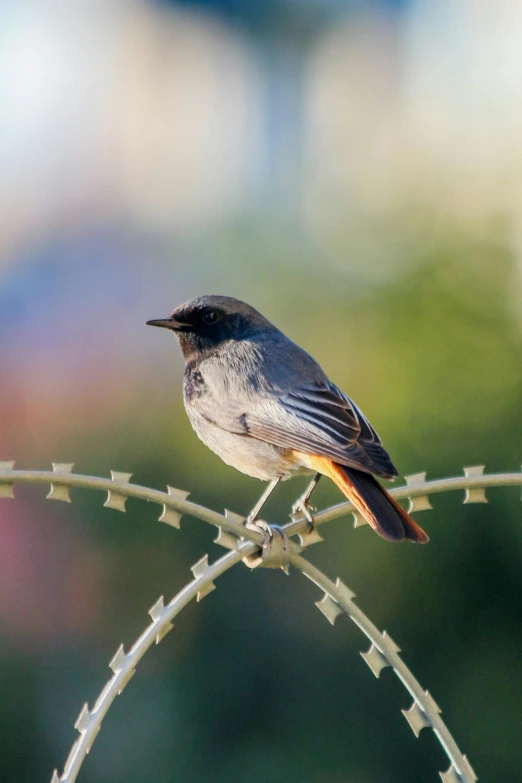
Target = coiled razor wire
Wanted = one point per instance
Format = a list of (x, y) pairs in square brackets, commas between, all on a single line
[(246, 544)]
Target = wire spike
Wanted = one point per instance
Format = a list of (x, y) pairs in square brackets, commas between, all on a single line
[(55, 778), (345, 592), (420, 503), (417, 719), (415, 478), (82, 721), (205, 591), (375, 660), (199, 569), (60, 491), (475, 495), (63, 467), (358, 519), (432, 704), (164, 631), (309, 537), (233, 517), (117, 660), (6, 490), (156, 610), (114, 499), (170, 515), (450, 776), (474, 470), (120, 478), (226, 540), (391, 643), (329, 608)]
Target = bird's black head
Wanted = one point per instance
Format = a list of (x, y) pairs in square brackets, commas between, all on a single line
[(203, 324)]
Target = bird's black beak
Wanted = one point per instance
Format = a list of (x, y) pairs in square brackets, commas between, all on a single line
[(170, 323)]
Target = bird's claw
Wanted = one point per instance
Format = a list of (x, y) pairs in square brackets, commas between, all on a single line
[(304, 507), (253, 523), (274, 550)]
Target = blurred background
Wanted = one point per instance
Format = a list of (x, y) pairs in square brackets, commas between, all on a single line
[(354, 170)]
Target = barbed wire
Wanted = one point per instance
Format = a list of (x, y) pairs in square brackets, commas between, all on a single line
[(251, 547)]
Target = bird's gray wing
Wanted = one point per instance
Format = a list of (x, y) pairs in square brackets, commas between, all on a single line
[(319, 419)]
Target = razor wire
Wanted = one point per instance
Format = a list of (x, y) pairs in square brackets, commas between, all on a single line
[(250, 546)]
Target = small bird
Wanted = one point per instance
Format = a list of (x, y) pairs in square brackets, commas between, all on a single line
[(266, 408)]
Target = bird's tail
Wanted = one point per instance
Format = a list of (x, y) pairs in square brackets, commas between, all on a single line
[(370, 498)]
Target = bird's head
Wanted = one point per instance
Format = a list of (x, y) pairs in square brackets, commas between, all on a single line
[(203, 324)]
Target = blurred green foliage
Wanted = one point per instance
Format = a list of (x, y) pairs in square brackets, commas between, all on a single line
[(253, 682)]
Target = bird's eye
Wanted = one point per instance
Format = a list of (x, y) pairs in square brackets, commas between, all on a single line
[(210, 317)]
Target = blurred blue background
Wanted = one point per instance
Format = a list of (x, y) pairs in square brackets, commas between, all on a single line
[(353, 170)]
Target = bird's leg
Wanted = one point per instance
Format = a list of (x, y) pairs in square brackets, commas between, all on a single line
[(272, 559), (302, 504), (261, 502)]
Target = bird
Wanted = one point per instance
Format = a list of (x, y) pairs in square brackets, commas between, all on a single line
[(265, 406)]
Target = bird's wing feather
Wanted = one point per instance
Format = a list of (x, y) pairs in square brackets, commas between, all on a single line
[(319, 419)]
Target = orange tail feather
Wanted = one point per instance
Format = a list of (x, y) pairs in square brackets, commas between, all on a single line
[(379, 509)]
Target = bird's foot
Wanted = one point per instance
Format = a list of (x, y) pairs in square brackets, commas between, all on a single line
[(260, 526), (303, 506), (250, 520), (274, 550)]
